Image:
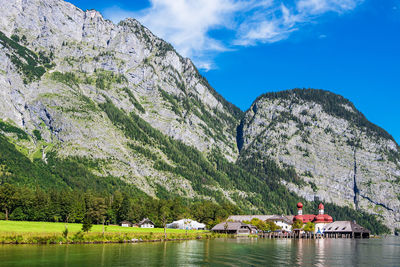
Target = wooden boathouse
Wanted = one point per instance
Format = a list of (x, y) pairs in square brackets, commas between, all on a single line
[(345, 229)]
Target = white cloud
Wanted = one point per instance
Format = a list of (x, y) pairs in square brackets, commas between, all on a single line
[(267, 26), (322, 6), (187, 24)]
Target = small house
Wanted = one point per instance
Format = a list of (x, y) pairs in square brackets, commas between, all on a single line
[(236, 228), (282, 221), (126, 224), (187, 224), (146, 223)]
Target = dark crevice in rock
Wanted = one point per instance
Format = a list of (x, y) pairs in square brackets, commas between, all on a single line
[(376, 203), (239, 135), (355, 188)]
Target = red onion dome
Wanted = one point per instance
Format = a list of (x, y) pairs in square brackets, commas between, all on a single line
[(300, 205), (321, 206)]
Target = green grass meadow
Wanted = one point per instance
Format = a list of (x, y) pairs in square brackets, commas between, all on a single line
[(21, 232), (52, 227)]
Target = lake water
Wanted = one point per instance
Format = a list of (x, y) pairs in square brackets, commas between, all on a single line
[(218, 252)]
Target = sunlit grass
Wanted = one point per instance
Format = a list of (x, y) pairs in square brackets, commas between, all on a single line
[(52, 227), (18, 232)]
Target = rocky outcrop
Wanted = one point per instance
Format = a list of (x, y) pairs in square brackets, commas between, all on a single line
[(339, 156)]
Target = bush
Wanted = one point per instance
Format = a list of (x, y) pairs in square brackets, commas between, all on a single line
[(78, 237), (65, 232), (87, 225)]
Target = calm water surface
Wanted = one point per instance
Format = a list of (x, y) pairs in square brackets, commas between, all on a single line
[(219, 252)]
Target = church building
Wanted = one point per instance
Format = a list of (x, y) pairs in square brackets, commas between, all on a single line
[(320, 220)]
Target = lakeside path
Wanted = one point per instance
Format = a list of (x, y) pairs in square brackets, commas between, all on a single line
[(22, 232)]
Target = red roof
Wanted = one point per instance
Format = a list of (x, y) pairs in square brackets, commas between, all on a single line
[(308, 218), (321, 218), (328, 218), (298, 217)]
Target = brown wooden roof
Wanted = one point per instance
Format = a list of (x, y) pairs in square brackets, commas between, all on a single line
[(145, 220), (345, 226), (231, 226)]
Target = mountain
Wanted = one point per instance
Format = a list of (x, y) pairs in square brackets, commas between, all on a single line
[(88, 105), (336, 154), (76, 78)]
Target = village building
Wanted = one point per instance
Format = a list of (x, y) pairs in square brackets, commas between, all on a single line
[(187, 224), (282, 221), (320, 220), (285, 222), (146, 223), (126, 224), (345, 229), (236, 228), (248, 218)]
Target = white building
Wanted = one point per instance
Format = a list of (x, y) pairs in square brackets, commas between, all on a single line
[(321, 220), (186, 224), (146, 223), (281, 221), (285, 222), (126, 224)]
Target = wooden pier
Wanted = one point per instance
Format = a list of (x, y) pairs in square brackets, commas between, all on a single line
[(307, 235)]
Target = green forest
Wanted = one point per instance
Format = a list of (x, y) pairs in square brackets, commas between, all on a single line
[(22, 203)]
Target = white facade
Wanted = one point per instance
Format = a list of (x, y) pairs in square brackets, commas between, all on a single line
[(187, 224), (284, 225), (125, 225), (147, 225)]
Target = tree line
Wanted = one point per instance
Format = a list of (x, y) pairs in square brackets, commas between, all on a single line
[(22, 203)]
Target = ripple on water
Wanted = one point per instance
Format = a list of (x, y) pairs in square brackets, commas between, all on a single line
[(219, 252)]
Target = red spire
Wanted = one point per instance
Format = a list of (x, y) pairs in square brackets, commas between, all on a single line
[(320, 206), (300, 205)]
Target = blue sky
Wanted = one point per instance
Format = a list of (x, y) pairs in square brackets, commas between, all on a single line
[(246, 48)]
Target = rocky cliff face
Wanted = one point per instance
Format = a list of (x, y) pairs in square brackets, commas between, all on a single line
[(60, 64), (337, 154)]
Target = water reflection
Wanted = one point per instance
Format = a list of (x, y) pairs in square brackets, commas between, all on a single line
[(220, 252)]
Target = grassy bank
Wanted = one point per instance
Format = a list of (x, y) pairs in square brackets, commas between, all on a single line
[(19, 232)]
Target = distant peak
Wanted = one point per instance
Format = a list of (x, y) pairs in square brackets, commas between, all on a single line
[(92, 13)]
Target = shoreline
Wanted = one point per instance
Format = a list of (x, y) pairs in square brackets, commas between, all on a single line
[(95, 238), (100, 239)]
